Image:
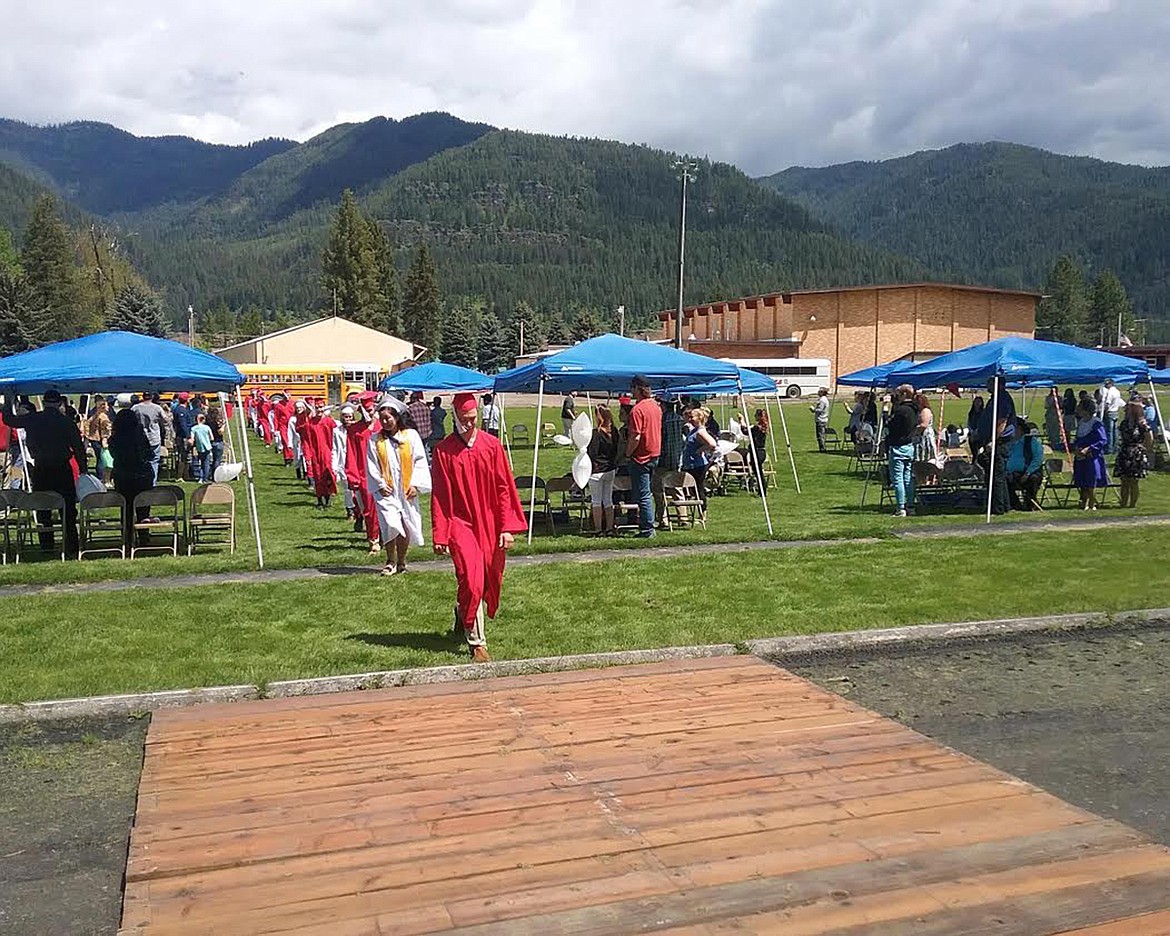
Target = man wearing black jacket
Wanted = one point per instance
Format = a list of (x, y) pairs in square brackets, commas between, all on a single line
[(52, 438), (900, 446)]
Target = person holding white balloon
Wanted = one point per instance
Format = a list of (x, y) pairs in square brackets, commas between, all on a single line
[(603, 454)]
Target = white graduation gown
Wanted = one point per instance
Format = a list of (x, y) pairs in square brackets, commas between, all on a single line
[(397, 515), (340, 444)]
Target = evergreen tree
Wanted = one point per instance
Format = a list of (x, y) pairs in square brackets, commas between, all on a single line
[(137, 310), (17, 311), (9, 261), (250, 324), (586, 325), (1061, 317), (533, 330), (388, 308), (349, 268), (492, 345), (422, 310), (1108, 306), (51, 272), (459, 337), (558, 331)]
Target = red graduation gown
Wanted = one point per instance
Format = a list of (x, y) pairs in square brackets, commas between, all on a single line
[(282, 411), (473, 500), (356, 443), (321, 432)]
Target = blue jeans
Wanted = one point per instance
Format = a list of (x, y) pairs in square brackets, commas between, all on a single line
[(201, 465), (97, 458), (902, 474), (640, 474), (1110, 434), (155, 459), (216, 458)]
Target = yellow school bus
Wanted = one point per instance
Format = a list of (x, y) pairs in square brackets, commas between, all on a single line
[(309, 380)]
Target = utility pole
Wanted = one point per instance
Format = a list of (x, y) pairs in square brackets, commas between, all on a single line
[(191, 326), (1119, 329), (686, 173), (621, 310), (521, 337)]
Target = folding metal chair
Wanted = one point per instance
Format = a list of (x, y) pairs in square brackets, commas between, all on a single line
[(683, 505), (30, 524), (538, 504), (9, 520), (169, 522), (100, 531), (203, 521)]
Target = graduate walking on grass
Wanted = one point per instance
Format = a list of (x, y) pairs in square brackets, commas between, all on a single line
[(475, 514), (396, 473)]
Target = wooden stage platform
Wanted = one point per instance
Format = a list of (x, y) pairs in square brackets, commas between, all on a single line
[(701, 796)]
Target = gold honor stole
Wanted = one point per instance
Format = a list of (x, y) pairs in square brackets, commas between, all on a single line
[(405, 455)]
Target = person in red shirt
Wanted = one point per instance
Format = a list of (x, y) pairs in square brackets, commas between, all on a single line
[(475, 514), (643, 446)]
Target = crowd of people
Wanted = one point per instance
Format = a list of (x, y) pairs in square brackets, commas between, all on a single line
[(1083, 427), (120, 440)]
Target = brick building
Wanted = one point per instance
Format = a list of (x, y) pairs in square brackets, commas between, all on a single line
[(855, 326)]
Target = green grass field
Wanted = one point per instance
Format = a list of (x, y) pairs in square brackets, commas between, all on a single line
[(60, 644)]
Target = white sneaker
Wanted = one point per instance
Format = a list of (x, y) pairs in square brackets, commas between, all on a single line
[(899, 513)]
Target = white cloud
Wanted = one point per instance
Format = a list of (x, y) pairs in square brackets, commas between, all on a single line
[(762, 83)]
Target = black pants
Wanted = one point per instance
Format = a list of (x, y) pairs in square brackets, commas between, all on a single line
[(1001, 500), (1025, 489), (58, 478)]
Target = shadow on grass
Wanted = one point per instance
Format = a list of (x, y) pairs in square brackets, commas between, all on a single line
[(423, 640)]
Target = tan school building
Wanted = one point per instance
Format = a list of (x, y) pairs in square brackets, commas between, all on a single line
[(855, 326)]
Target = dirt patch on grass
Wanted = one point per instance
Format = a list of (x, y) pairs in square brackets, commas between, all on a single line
[(67, 795), (1085, 715)]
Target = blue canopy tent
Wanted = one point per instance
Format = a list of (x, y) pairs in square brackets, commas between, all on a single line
[(869, 376), (1023, 360), (1018, 360), (437, 377), (750, 382), (608, 363), (124, 362)]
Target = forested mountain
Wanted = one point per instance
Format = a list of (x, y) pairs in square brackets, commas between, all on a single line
[(106, 170), (559, 222), (1001, 214), (18, 194)]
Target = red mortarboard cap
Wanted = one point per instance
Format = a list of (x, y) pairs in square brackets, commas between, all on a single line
[(464, 402)]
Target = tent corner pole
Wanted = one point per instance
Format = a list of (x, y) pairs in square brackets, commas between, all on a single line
[(251, 482), (994, 438), (535, 457), (787, 440), (877, 444), (498, 399), (1158, 410), (756, 463)]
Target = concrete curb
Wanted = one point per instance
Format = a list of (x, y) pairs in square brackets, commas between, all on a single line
[(772, 649), (781, 648), (467, 671)]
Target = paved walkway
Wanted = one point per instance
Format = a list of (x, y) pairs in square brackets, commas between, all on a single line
[(592, 555)]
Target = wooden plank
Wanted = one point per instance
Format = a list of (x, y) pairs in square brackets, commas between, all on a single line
[(1147, 924), (696, 796)]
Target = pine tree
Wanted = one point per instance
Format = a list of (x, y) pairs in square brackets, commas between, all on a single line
[(586, 325), (558, 331), (533, 330), (349, 269), (422, 309), (9, 261), (250, 324), (459, 337), (17, 311), (137, 310), (492, 346), (387, 310), (51, 272), (1061, 317), (1109, 306)]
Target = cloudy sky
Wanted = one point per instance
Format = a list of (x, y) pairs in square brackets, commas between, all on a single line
[(761, 83)]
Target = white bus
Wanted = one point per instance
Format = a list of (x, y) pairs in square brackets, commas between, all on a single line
[(794, 377)]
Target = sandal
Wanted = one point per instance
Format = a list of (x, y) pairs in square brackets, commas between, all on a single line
[(400, 570), (389, 570)]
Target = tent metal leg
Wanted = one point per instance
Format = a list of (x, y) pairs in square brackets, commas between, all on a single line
[(251, 482), (535, 458), (787, 441), (1161, 425), (756, 466), (498, 399)]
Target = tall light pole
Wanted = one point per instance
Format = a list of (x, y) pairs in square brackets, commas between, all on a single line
[(686, 173)]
